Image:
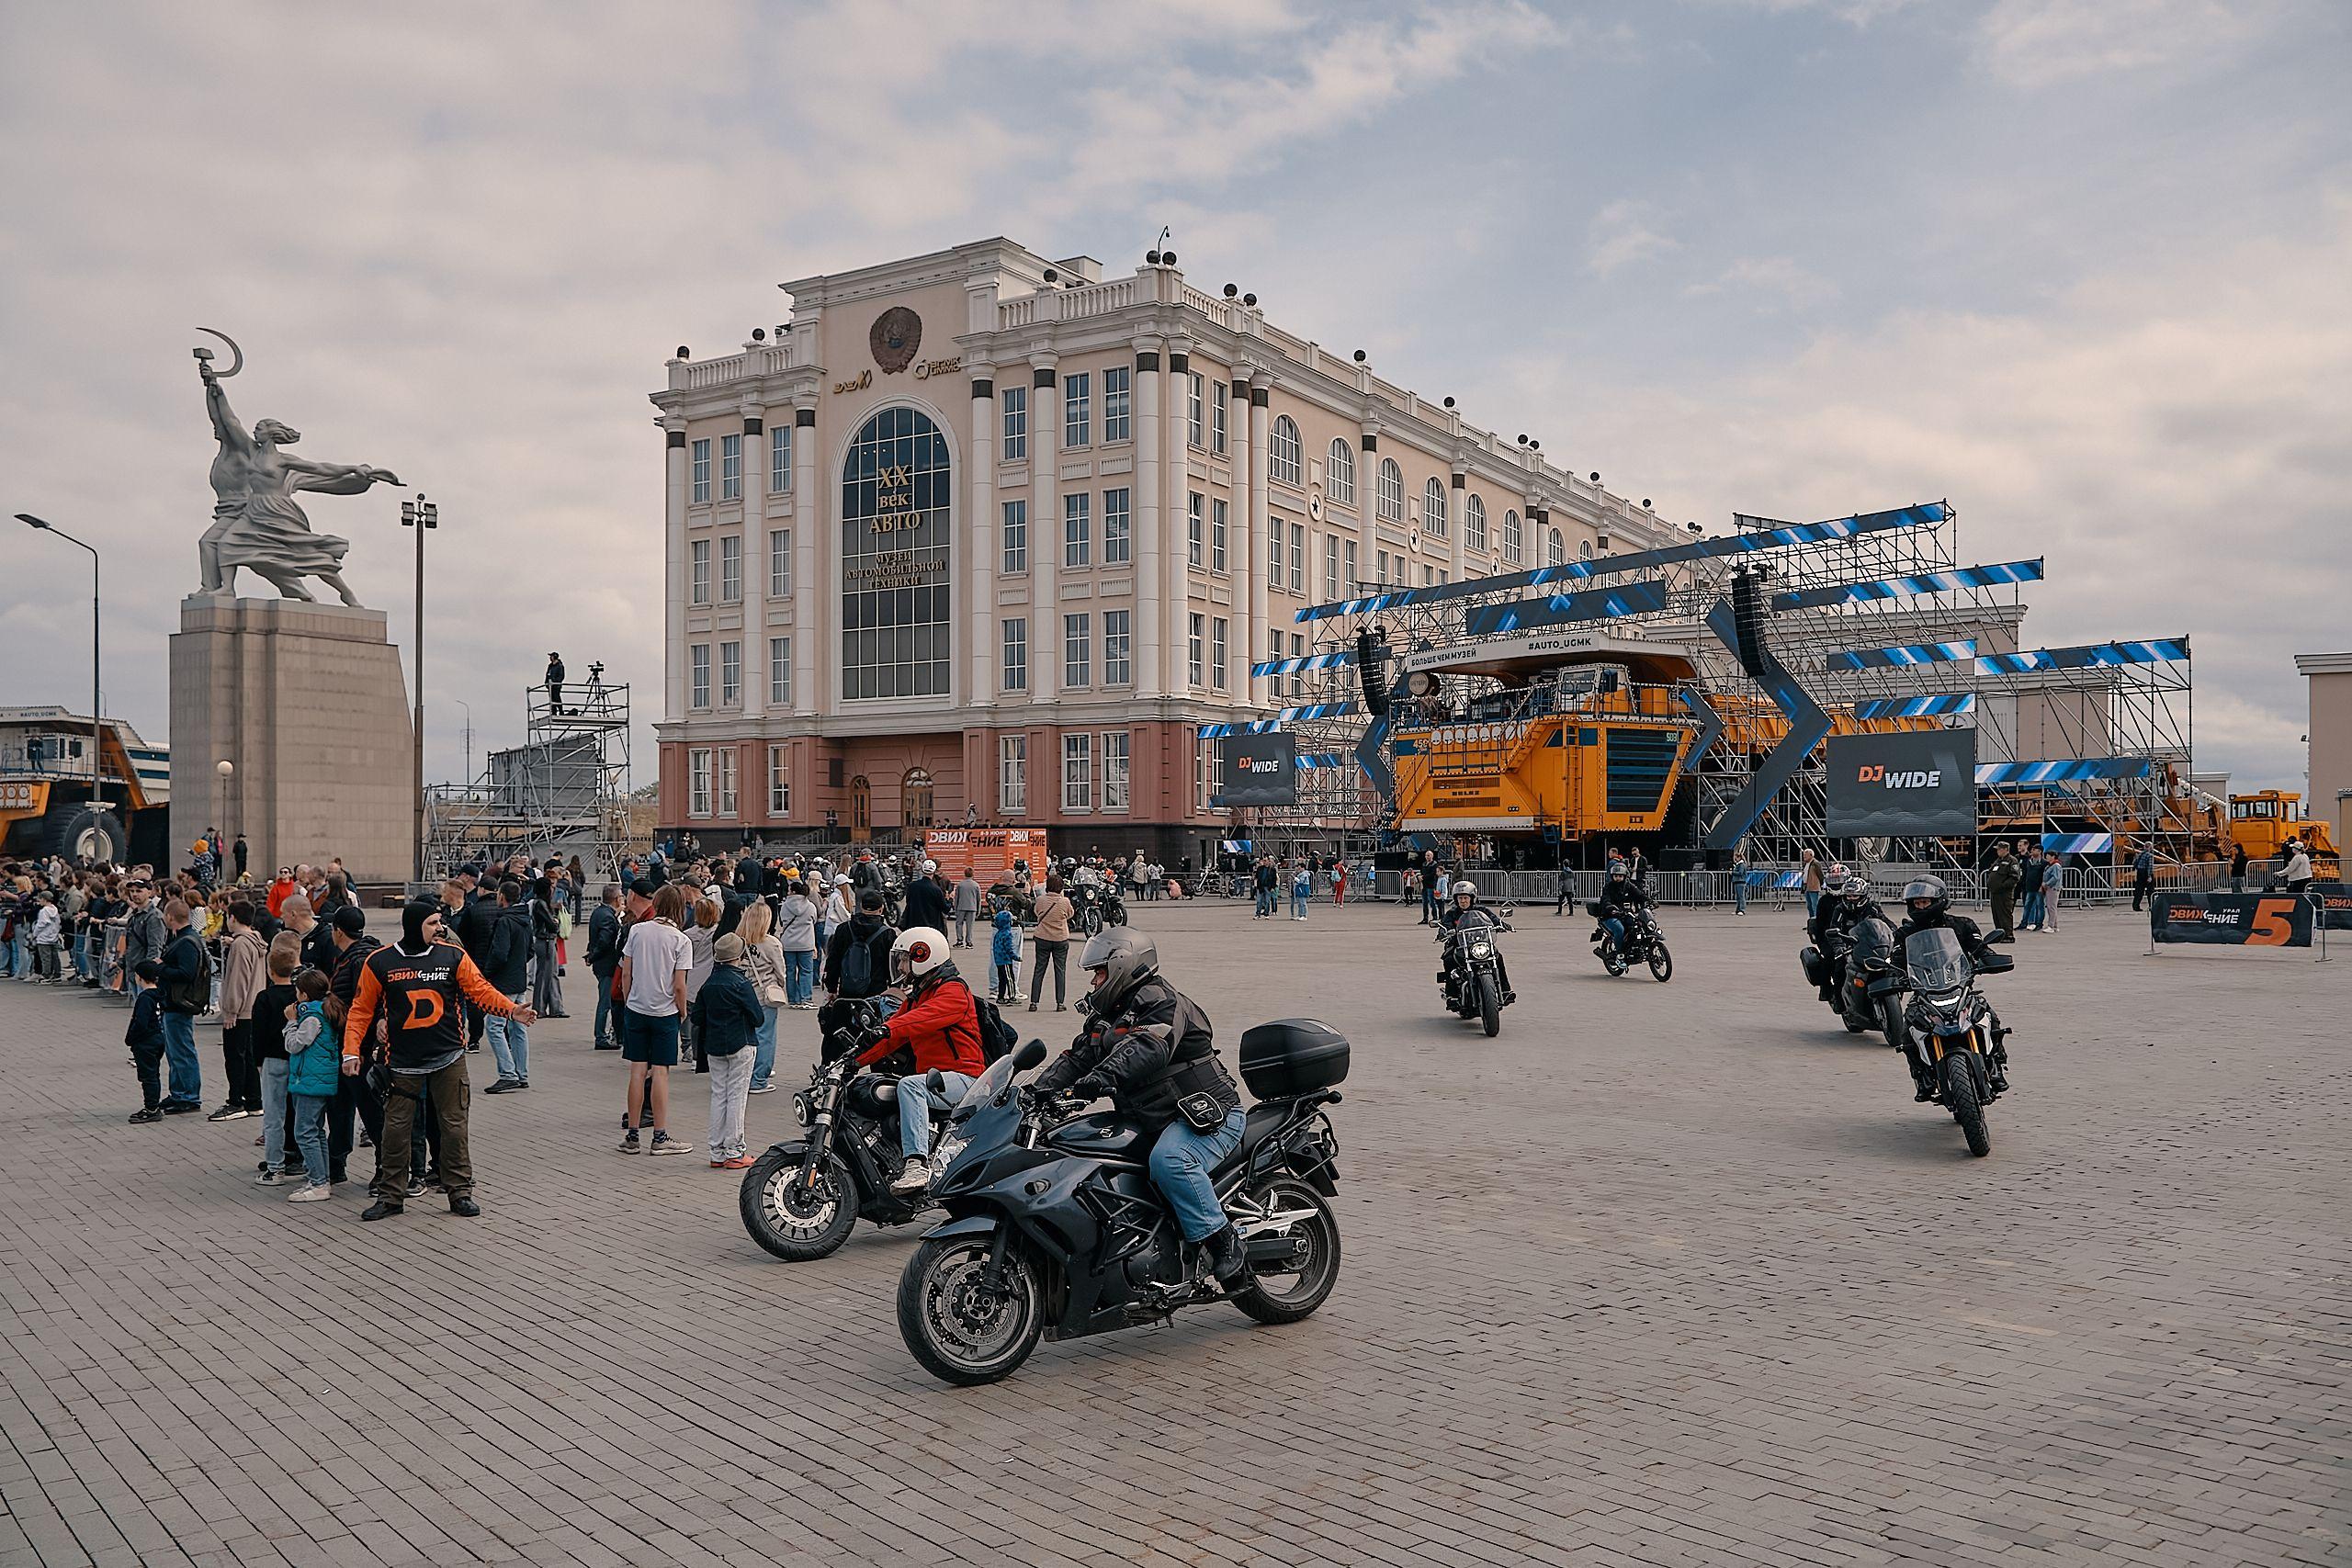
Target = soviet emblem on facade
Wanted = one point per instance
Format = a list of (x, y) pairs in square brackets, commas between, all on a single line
[(898, 332)]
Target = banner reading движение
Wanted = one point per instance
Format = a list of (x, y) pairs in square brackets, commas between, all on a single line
[(2231, 920)]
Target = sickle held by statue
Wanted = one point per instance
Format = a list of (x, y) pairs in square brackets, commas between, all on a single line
[(207, 353)]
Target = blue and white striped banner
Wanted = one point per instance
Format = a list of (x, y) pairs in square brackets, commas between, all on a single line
[(2089, 656), (1945, 581), (1937, 707), (1286, 717), (2078, 843), (1304, 663), (1896, 658), (2061, 771), (1320, 759), (1560, 609)]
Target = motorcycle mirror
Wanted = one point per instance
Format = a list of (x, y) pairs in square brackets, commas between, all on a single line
[(1029, 1055)]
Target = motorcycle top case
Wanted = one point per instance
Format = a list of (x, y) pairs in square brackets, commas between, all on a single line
[(1292, 1056)]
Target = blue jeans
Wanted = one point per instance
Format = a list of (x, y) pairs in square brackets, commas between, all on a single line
[(311, 1134), (1812, 903), (605, 1010), (1739, 894), (915, 1101), (1616, 929), (272, 1111), (510, 1042), (1299, 905), (763, 1054), (799, 981), (1265, 901), (2036, 908), (1181, 1163), (180, 1051), (1428, 903)]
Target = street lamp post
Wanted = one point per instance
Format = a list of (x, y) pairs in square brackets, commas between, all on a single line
[(229, 812), (98, 743), (424, 516)]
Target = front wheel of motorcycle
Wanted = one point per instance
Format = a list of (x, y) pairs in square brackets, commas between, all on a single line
[(1960, 1094), (1661, 963), (1890, 1020), (962, 1328), (799, 1221), (1291, 1288), (1490, 1012)]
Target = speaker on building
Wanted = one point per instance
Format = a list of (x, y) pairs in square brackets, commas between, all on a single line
[(1372, 649), (1748, 613)]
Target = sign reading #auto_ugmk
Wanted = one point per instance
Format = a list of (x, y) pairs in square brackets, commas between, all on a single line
[(1903, 782), (1257, 770)]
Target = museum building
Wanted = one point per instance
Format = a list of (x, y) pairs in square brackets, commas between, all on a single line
[(981, 531)]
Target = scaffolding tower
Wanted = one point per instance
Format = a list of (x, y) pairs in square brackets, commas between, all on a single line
[(565, 789)]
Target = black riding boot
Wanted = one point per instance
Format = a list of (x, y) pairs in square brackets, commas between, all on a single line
[(1229, 1261)]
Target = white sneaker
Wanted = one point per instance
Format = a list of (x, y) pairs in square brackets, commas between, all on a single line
[(269, 1178), (307, 1194), (912, 1180)]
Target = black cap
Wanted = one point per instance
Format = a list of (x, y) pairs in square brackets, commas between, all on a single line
[(351, 920), (643, 887)]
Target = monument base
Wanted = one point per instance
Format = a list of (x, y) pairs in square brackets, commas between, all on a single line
[(309, 702)]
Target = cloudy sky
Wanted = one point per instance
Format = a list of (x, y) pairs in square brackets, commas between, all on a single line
[(2083, 266)]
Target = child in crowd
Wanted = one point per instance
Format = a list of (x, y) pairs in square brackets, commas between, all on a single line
[(273, 1011), (727, 1015), (1004, 956), (314, 1064), (146, 1038)]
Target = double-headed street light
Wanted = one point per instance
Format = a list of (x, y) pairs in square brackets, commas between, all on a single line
[(97, 745), (424, 516)]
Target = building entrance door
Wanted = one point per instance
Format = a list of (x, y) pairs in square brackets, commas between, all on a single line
[(861, 809)]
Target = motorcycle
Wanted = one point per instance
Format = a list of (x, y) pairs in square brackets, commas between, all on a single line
[(803, 1197), (1056, 1229), (1872, 982), (1470, 978), (1953, 1037), (1643, 944), (1093, 907)]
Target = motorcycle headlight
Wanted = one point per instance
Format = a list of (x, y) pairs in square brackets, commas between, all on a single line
[(802, 1108), (1946, 1001), (1482, 950)]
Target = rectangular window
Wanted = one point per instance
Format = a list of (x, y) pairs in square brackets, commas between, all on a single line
[(1193, 528), (1331, 566), (1118, 527), (1078, 529), (1201, 777), (1274, 652), (1117, 403), (1015, 401), (730, 569), (1274, 554), (1118, 646), (1013, 774), (698, 682), (1216, 417), (730, 674), (1216, 654), (699, 782), (1078, 650), (1298, 650), (701, 472), (1217, 535), (779, 672), (1298, 558), (727, 761), (1193, 408), (731, 467), (1348, 565), (1078, 772), (1016, 654), (698, 553), (779, 783), (1078, 409), (1016, 536), (1115, 771), (780, 457), (779, 563), (1192, 649)]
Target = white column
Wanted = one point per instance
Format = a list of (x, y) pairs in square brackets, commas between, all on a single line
[(1260, 424), (755, 571), (1457, 518), (1177, 590), (979, 677), (1248, 528), (1045, 529), (810, 690), (673, 577), (1151, 543)]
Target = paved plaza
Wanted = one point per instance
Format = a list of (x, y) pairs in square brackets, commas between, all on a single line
[(1667, 1274)]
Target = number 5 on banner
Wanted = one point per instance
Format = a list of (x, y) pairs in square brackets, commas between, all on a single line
[(2273, 923)]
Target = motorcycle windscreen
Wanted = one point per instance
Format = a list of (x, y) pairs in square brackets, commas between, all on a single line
[(1935, 960), (1873, 940)]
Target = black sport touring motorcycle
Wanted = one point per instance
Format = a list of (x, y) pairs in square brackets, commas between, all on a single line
[(1953, 1037), (1871, 981), (1056, 1229)]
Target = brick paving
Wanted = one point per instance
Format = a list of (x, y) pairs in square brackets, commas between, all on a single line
[(1666, 1275)]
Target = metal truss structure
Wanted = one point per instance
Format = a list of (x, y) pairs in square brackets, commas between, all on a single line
[(566, 788), (1872, 618)]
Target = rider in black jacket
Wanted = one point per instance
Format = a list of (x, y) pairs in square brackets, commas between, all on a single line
[(1846, 902), (1926, 906), (1620, 896), (1462, 904), (1152, 1052)]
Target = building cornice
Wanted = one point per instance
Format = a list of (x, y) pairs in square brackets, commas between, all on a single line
[(2324, 664)]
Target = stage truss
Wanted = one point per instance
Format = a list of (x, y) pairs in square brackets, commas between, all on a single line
[(565, 789)]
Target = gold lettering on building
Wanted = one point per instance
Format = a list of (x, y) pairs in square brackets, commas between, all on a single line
[(856, 383), (926, 369)]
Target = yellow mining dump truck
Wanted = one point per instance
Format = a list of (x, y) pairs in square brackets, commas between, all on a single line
[(1550, 735)]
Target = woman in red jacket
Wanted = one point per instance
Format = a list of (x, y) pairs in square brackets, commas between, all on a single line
[(938, 1022)]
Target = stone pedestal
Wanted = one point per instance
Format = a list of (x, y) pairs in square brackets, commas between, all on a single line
[(309, 701)]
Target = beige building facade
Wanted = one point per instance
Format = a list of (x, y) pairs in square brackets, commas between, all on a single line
[(982, 534), (2330, 738)]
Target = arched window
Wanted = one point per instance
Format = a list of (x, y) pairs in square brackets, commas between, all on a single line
[(1433, 508), (1474, 524), (1555, 550), (1511, 539), (1284, 463), (1584, 549), (1391, 491), (914, 799), (897, 491), (1342, 488)]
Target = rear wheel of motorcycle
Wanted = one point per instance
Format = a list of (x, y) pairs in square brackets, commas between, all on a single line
[(798, 1223), (1890, 1020), (960, 1330), (1288, 1297), (1490, 1010), (1661, 963), (1960, 1094)]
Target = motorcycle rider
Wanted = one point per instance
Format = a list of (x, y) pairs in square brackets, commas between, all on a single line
[(938, 1025), (1926, 906), (1152, 1051), (1462, 904), (1846, 902), (1621, 895)]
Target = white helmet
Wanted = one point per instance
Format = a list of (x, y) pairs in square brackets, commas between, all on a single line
[(1461, 889), (929, 866), (918, 952)]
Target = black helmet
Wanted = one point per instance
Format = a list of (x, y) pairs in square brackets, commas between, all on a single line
[(1857, 888), (1616, 870), (1127, 957), (1926, 896)]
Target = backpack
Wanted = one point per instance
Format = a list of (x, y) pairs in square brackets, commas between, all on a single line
[(193, 996), (857, 964), (997, 1037)]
